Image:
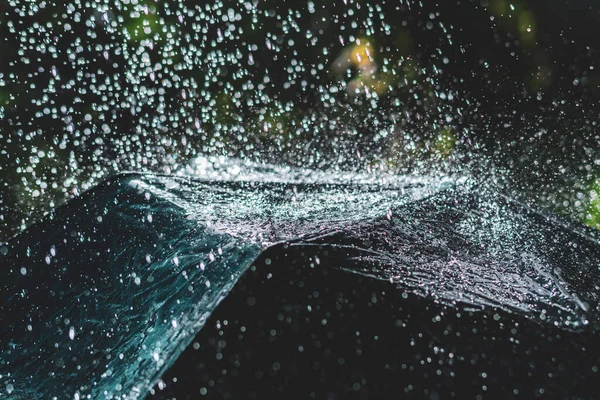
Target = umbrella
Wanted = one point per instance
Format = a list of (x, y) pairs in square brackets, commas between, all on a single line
[(322, 288)]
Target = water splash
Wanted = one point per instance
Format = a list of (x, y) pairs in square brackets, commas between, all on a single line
[(479, 250), (89, 89)]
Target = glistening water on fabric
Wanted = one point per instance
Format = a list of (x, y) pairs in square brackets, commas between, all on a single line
[(104, 305)]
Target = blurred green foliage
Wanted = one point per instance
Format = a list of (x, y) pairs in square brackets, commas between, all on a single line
[(592, 215), (445, 142)]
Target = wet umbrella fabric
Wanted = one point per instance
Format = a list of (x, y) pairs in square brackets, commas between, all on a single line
[(415, 285)]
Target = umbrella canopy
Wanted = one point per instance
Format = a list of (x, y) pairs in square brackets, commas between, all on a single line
[(106, 293)]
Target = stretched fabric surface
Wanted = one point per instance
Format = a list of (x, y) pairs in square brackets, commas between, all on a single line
[(101, 297)]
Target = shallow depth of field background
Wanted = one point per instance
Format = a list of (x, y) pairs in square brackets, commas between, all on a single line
[(501, 90)]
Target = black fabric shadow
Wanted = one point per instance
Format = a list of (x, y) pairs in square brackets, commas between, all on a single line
[(297, 328)]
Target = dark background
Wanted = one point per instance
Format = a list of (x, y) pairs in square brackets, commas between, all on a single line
[(502, 90)]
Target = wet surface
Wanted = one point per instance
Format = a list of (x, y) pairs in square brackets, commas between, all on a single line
[(103, 296)]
